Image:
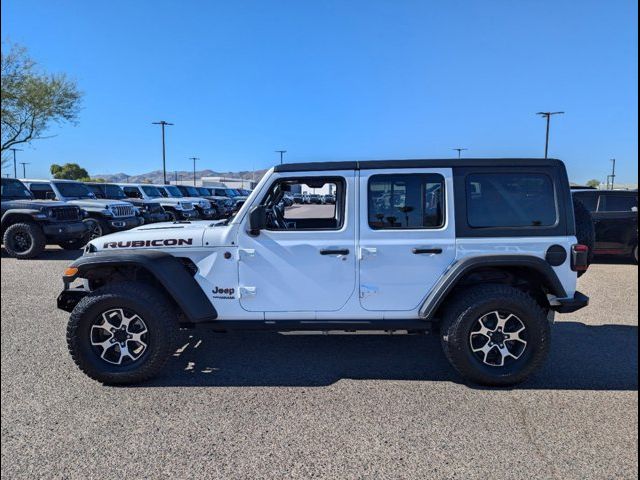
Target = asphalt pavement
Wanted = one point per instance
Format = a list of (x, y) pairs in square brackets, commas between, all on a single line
[(269, 405)]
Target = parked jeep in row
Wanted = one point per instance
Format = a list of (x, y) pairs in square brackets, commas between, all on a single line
[(177, 208), (104, 216), (28, 225), (615, 217), (202, 206), (151, 211), (222, 206)]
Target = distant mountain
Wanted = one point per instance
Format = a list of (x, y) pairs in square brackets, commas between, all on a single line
[(185, 175)]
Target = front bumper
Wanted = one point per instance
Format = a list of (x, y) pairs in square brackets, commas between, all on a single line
[(187, 214), (65, 231), (570, 305), (156, 217), (124, 223), (207, 213)]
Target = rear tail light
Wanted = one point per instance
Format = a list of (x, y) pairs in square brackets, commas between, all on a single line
[(579, 258)]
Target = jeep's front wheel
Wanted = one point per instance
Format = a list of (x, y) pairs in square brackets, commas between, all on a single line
[(495, 335), (122, 333), (24, 240), (96, 228)]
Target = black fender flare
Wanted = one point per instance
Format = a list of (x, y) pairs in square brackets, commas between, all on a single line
[(18, 213), (459, 269), (168, 270)]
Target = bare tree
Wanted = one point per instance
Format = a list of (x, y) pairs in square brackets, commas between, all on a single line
[(32, 100)]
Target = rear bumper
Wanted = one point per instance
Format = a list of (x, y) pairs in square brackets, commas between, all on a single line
[(570, 305), (65, 231)]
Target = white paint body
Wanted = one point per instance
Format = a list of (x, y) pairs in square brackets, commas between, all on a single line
[(280, 275)]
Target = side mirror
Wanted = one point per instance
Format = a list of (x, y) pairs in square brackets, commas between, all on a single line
[(257, 220)]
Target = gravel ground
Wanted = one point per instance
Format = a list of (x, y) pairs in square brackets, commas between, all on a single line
[(265, 405)]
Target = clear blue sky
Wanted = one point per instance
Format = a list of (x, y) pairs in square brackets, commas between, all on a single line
[(336, 80)]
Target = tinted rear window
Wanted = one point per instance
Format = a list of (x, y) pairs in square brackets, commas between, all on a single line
[(511, 200), (617, 203)]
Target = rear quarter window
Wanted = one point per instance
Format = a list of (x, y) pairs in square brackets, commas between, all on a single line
[(508, 200), (617, 203)]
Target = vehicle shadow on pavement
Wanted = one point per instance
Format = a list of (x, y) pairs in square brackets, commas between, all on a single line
[(53, 254), (613, 260), (582, 357)]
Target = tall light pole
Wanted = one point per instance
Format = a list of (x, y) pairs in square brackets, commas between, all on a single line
[(162, 123), (612, 177), (281, 152), (548, 116), (460, 150), (24, 169), (195, 159), (15, 168)]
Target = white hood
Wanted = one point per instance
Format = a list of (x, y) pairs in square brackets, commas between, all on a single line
[(158, 236)]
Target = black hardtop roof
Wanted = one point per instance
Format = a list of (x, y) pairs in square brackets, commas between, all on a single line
[(418, 163)]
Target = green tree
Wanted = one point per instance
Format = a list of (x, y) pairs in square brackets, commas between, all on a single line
[(70, 171), (31, 100), (593, 183)]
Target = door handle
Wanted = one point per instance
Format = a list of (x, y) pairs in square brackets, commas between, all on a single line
[(368, 251), (427, 251), (339, 251)]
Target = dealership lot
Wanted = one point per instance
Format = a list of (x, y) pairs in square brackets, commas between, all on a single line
[(265, 405)]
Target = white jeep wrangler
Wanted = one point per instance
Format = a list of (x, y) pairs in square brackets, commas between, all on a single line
[(482, 251)]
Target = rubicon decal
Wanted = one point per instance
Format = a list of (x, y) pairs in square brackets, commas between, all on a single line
[(169, 242)]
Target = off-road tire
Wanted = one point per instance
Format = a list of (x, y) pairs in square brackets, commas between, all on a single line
[(103, 227), (158, 314), (585, 229), (471, 304), (634, 254), (34, 234)]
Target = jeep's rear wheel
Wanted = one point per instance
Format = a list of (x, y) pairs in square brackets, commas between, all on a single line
[(495, 335), (24, 240), (122, 333)]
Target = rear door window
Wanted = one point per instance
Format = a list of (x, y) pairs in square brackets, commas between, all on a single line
[(406, 201), (497, 200)]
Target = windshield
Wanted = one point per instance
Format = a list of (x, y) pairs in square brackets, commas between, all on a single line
[(152, 192), (204, 191), (73, 190), (173, 191), (107, 191), (231, 192), (14, 189), (191, 191)]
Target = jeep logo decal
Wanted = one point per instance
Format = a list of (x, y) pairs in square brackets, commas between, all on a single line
[(169, 242), (225, 293)]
